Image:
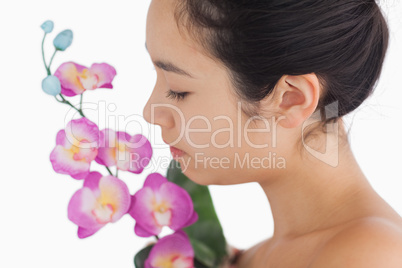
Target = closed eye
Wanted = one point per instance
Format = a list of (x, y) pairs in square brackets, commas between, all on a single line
[(176, 95)]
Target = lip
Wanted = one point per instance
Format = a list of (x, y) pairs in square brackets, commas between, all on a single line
[(176, 153)]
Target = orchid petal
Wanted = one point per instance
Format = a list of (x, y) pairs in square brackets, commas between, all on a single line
[(92, 182), (80, 208), (192, 219), (102, 200), (105, 74), (115, 192), (63, 162), (85, 232), (75, 79), (180, 202), (83, 129), (107, 148), (128, 153), (141, 210), (80, 176), (154, 181), (141, 232), (67, 74), (61, 139), (172, 251), (123, 151), (76, 148), (161, 203), (141, 153)]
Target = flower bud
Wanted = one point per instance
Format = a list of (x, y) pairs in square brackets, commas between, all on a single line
[(63, 40), (47, 26), (51, 85)]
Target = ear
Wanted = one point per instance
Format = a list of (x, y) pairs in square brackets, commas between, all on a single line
[(296, 98)]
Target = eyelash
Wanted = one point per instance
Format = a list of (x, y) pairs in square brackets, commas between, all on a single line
[(176, 95)]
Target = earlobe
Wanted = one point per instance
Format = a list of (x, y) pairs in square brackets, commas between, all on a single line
[(299, 97)]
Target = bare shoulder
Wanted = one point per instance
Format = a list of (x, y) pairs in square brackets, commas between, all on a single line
[(369, 242)]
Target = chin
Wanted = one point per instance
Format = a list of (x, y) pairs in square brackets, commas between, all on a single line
[(195, 177)]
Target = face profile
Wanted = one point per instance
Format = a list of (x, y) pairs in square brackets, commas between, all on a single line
[(195, 105), (256, 91)]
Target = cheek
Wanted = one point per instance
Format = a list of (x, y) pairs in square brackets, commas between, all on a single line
[(216, 136), (197, 133), (232, 156)]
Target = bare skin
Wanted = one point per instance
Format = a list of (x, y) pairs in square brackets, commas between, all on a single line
[(336, 205), (304, 251), (325, 212)]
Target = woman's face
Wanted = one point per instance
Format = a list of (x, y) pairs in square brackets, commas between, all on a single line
[(207, 124)]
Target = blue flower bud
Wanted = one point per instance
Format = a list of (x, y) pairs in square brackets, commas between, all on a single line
[(47, 26), (63, 40), (51, 85)]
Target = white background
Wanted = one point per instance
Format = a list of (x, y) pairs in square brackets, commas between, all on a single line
[(35, 231)]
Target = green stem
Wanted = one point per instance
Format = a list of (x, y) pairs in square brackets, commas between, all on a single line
[(81, 101), (117, 172), (43, 56), (68, 103), (52, 60), (109, 170), (157, 237)]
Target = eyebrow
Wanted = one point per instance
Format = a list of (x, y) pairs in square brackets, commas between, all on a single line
[(169, 67)]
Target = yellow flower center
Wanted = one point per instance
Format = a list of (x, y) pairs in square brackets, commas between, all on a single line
[(162, 213), (103, 213), (88, 80)]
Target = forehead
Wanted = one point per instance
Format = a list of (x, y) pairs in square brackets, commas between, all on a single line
[(165, 43)]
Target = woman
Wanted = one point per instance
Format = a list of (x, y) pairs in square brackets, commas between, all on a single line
[(255, 91)]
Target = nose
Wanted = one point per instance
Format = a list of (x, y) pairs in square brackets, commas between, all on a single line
[(158, 112)]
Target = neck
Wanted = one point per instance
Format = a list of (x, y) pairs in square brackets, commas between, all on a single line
[(313, 195)]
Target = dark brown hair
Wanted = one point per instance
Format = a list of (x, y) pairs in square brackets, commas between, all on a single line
[(344, 42)]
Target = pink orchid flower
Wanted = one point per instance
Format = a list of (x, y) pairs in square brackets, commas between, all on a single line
[(101, 200), (128, 153), (75, 78), (161, 203), (173, 251), (76, 147)]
